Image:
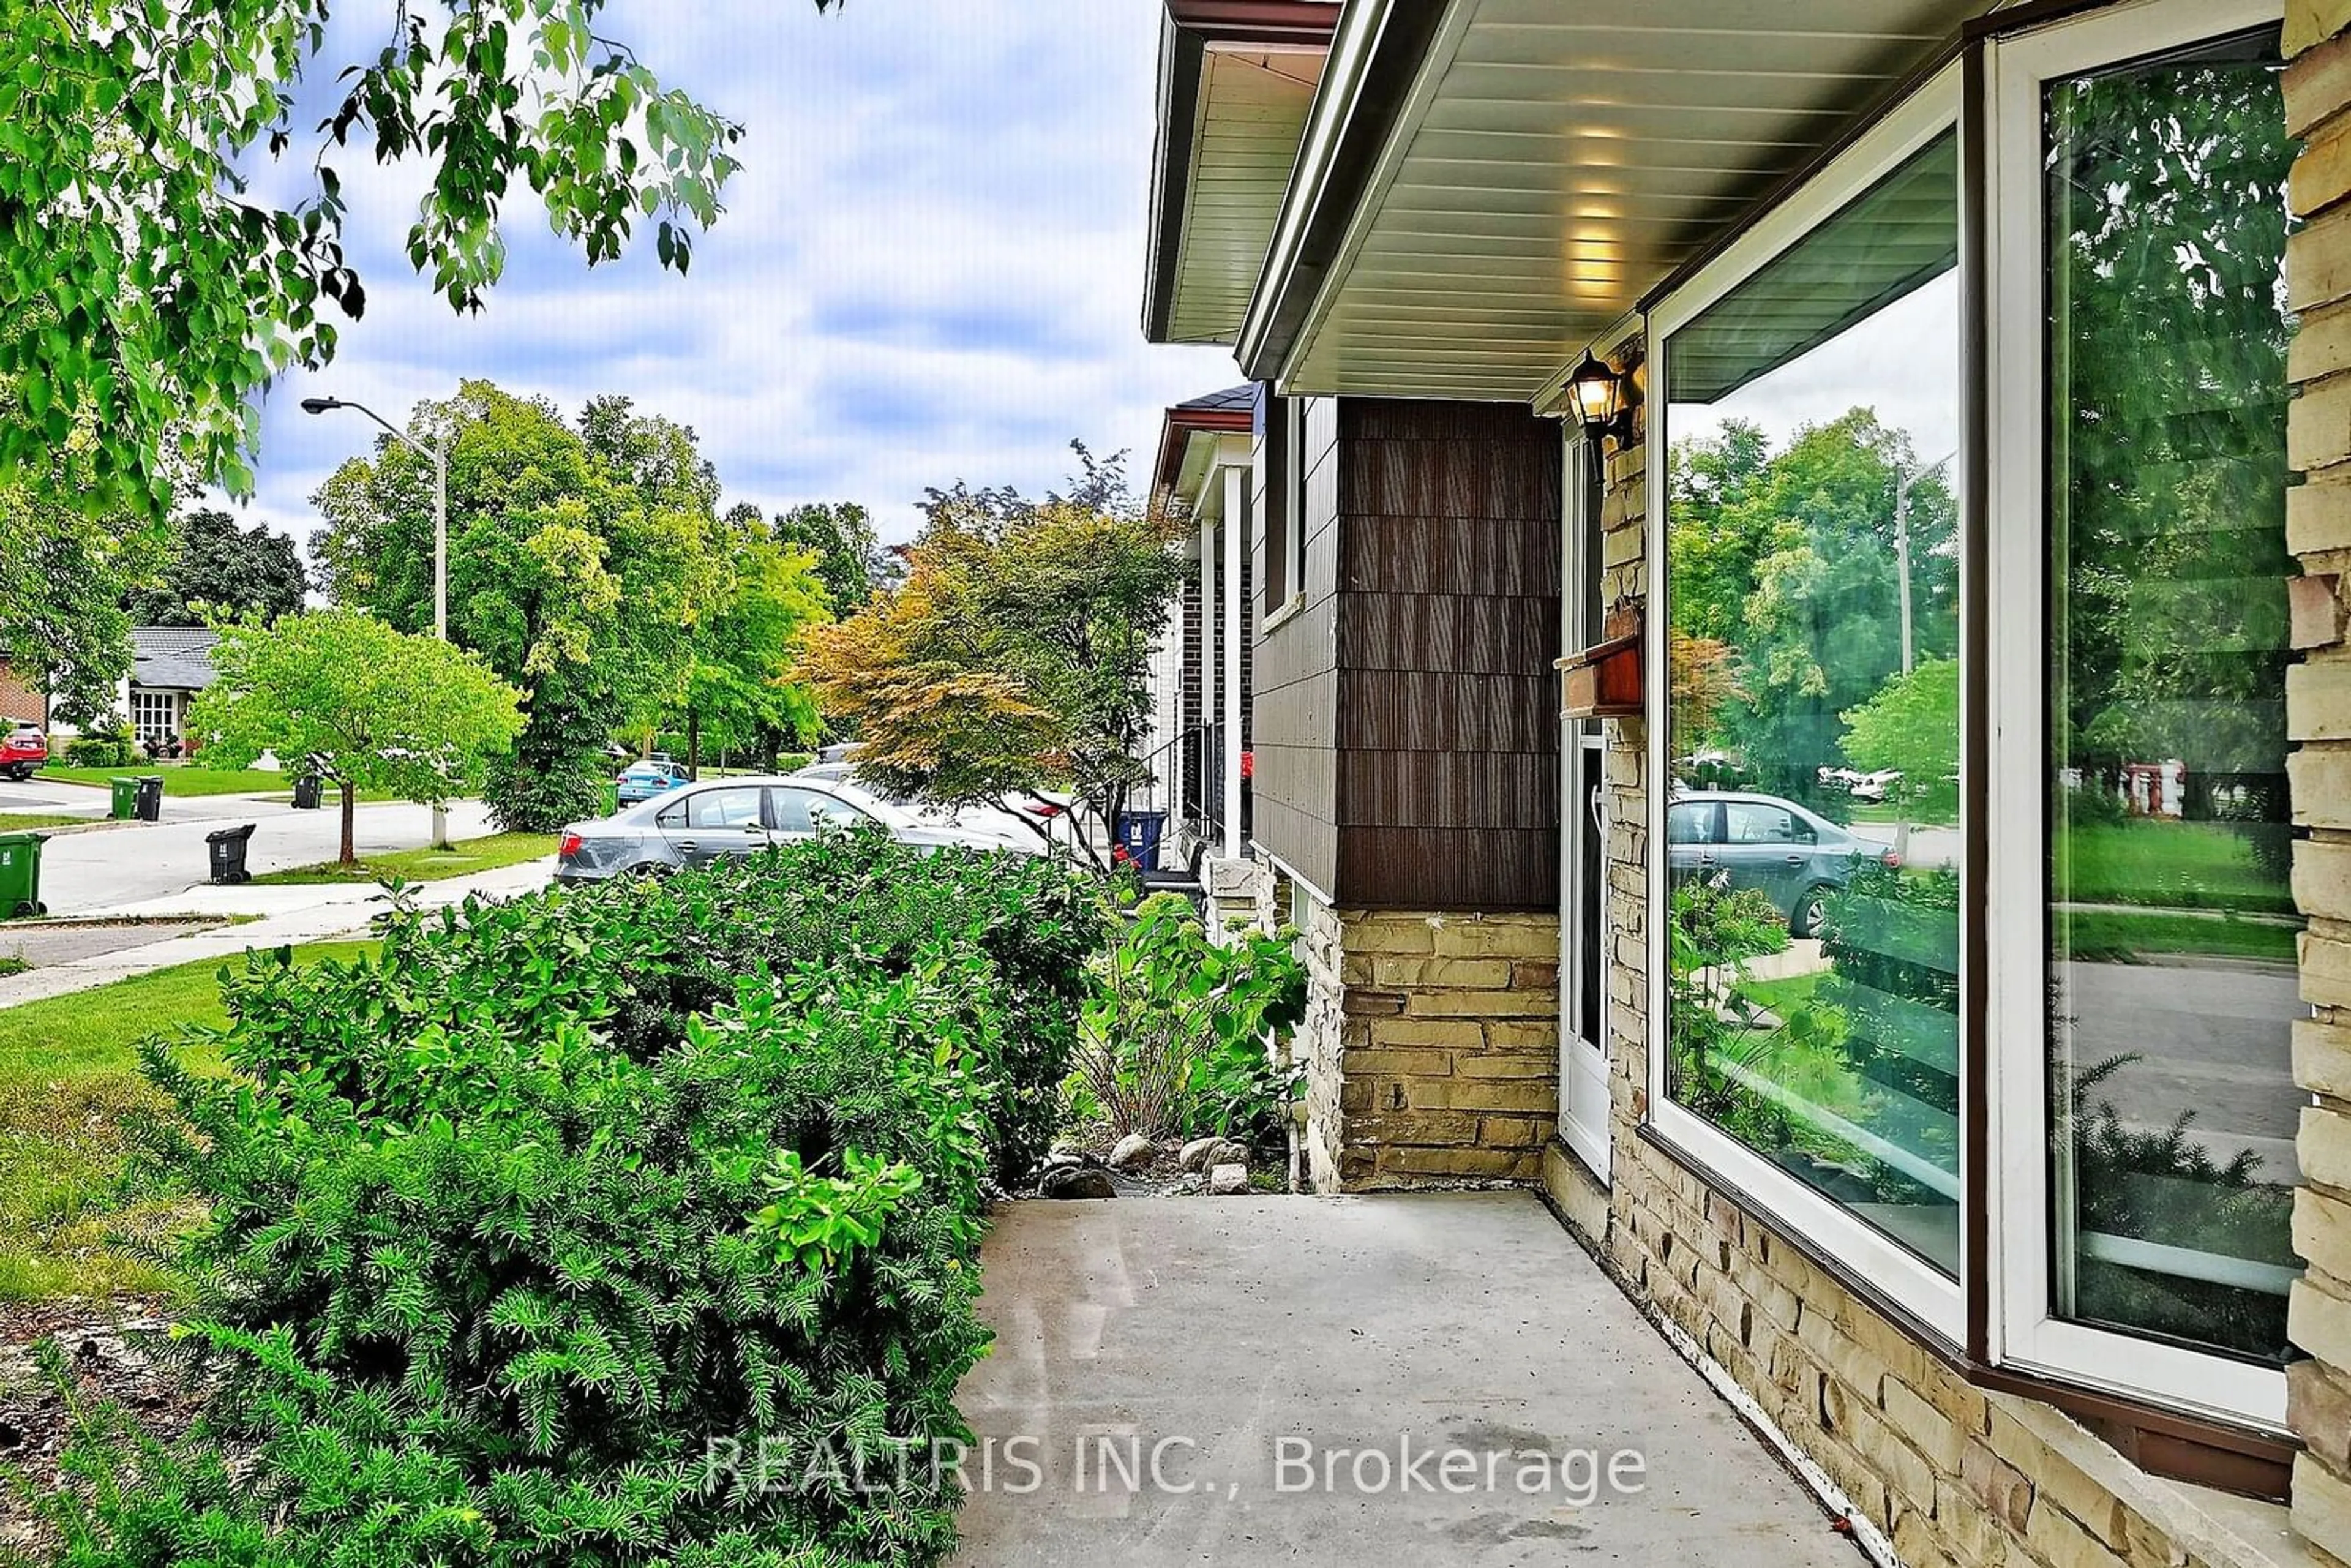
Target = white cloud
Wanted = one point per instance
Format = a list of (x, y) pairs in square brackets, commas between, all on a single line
[(931, 267)]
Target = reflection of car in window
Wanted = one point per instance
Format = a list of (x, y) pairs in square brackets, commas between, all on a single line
[(1791, 855)]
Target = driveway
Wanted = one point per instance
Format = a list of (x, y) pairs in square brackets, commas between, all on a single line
[(1287, 1358)]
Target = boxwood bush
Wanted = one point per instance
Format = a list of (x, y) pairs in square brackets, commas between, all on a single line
[(512, 1229)]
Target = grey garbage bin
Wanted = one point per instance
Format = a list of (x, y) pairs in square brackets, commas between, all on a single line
[(227, 849), (151, 798)]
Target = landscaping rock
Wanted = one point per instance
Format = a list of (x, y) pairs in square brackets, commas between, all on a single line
[(1133, 1152), (1227, 1178), (1076, 1181), (1202, 1154)]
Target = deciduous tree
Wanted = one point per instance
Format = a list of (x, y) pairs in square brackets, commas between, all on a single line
[(229, 570), (171, 291), (1017, 653), (583, 564), (371, 708)]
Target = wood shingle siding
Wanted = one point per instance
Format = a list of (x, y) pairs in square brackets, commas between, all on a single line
[(1407, 731)]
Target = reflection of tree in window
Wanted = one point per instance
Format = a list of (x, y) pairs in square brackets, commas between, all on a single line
[(2171, 1093)]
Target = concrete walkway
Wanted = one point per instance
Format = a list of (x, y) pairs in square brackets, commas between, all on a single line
[(1289, 1359), (272, 917)]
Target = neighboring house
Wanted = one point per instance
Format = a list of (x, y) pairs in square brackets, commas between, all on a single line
[(1910, 375), (169, 665), (22, 698), (1201, 725)]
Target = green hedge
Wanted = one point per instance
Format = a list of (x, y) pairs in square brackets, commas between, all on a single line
[(510, 1230)]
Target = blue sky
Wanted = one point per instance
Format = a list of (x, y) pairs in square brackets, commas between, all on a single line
[(930, 268)]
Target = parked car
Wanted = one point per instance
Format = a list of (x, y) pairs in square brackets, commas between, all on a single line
[(644, 780), (1795, 857), (22, 749), (1868, 787), (1004, 820), (696, 823)]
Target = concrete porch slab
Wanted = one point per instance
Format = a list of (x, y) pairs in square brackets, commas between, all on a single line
[(1234, 1334)]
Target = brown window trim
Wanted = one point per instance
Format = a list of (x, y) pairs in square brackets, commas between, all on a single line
[(2159, 1441)]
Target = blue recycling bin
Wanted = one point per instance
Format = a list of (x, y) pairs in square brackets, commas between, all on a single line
[(1138, 838)]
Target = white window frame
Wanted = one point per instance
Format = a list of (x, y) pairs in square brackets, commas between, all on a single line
[(2025, 1334), (1931, 1298), (154, 715)]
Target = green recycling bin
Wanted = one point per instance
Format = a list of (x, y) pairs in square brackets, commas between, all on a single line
[(20, 875), (126, 799), (608, 797)]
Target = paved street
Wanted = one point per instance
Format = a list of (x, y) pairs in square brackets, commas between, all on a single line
[(2212, 1035), (137, 863)]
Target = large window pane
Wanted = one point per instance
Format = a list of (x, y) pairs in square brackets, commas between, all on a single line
[(2171, 923), (1812, 835)]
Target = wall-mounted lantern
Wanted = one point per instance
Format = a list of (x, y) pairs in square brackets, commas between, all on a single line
[(1601, 400)]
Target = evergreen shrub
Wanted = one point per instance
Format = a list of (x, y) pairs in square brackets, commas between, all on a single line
[(512, 1229)]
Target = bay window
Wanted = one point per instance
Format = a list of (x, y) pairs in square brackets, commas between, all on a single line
[(1974, 951)]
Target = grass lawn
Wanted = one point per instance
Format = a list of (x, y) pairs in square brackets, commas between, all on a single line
[(182, 779), (22, 822), (69, 1090), (461, 858), (2117, 938), (2178, 865)]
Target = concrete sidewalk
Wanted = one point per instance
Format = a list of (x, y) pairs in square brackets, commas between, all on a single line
[(269, 916), (1287, 1358)]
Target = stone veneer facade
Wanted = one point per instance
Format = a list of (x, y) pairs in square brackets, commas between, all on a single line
[(1431, 1042), (2318, 719)]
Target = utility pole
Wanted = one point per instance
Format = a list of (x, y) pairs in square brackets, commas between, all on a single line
[(1902, 484), (438, 454)]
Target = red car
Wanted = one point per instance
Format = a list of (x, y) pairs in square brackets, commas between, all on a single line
[(22, 749)]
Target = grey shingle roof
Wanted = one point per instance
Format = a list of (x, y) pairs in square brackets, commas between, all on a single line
[(1243, 396), (172, 656)]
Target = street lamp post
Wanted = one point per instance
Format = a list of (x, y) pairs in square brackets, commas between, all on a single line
[(438, 454)]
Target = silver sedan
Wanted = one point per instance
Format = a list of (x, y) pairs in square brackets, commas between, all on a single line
[(695, 824)]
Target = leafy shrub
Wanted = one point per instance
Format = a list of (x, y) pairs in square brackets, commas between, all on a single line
[(556, 775), (1175, 1033), (506, 1230), (107, 743), (1711, 931)]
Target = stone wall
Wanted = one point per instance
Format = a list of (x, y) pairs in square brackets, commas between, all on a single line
[(1943, 1471), (1431, 1043), (2318, 718)]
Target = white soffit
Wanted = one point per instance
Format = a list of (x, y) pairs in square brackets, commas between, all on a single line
[(1253, 104), (1563, 157)]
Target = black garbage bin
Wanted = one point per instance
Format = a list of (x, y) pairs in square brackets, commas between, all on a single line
[(151, 798), (228, 847), (1138, 838), (306, 792)]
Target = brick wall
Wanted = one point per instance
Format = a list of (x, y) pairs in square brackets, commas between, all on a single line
[(2318, 718), (20, 698), (1947, 1473)]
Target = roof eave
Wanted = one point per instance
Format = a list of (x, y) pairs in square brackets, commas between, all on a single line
[(1377, 55), (1183, 424), (1187, 29)]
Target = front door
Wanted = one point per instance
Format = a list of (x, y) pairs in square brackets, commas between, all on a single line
[(1583, 839)]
